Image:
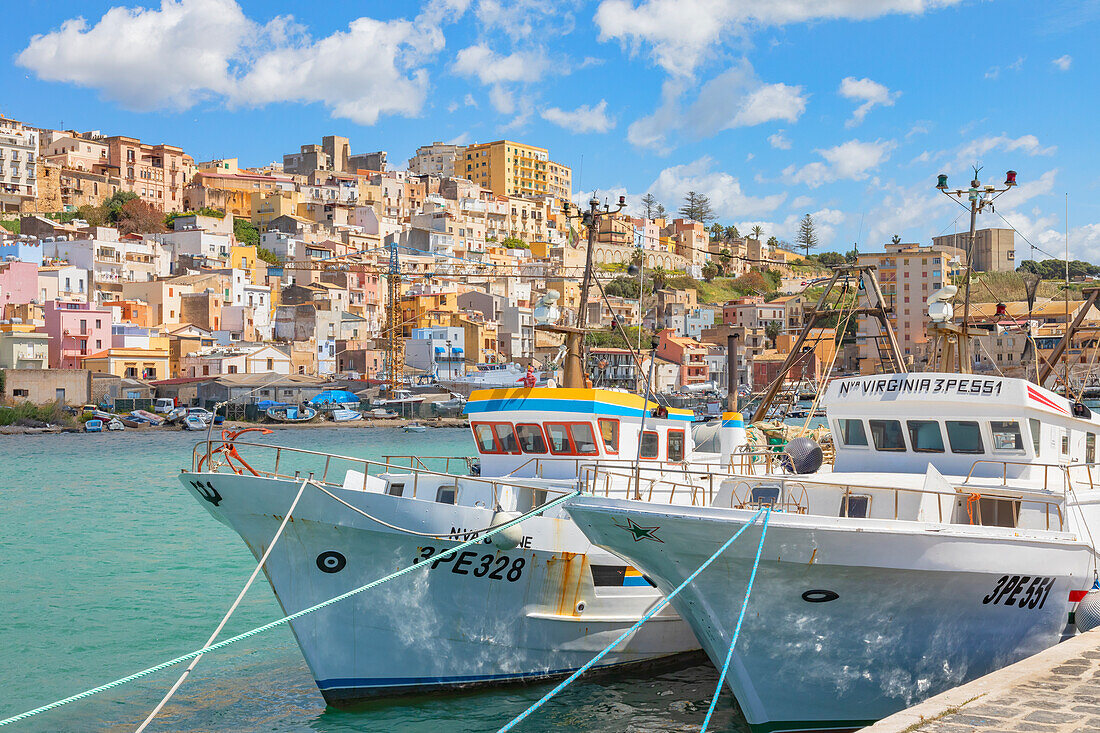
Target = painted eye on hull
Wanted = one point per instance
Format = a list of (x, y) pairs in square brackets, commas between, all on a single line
[(331, 562), (819, 596)]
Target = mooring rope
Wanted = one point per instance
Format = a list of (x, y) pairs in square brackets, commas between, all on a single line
[(737, 631), (661, 604), (232, 608), (281, 621)]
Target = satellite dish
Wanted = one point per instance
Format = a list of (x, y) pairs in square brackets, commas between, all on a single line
[(545, 311), (940, 311), (947, 292)]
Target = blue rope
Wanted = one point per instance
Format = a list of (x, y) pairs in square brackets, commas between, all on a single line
[(736, 631), (663, 602), (279, 622)]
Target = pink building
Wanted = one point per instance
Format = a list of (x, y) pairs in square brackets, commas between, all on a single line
[(76, 330), (690, 354), (18, 282)]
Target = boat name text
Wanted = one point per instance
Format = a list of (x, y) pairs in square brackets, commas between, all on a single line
[(920, 385), (1011, 587), (494, 567)]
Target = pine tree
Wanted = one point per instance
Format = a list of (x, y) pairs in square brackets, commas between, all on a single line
[(807, 237), (697, 207), (659, 212), (649, 205)]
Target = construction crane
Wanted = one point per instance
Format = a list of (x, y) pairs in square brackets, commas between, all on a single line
[(395, 346)]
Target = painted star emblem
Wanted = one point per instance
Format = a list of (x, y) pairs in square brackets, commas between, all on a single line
[(642, 533)]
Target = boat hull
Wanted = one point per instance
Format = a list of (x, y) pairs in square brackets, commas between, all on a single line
[(843, 627), (484, 617)]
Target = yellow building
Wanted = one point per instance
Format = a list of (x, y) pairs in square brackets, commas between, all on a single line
[(244, 257), (268, 205), (509, 168), (480, 337), (425, 311), (135, 363)]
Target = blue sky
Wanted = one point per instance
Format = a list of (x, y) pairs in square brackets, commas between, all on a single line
[(845, 109)]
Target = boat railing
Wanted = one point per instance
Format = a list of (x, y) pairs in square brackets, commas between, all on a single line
[(1060, 470), (415, 462), (793, 494), (222, 456)]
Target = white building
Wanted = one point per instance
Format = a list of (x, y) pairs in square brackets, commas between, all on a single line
[(437, 350), (18, 164), (435, 159)]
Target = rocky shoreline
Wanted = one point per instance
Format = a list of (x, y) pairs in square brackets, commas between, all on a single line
[(440, 422)]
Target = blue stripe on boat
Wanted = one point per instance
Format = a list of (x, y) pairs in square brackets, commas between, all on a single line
[(545, 405)]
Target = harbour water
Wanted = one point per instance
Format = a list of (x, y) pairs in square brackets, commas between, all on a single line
[(109, 567)]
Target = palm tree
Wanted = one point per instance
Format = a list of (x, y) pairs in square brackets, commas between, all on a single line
[(716, 231), (732, 233), (659, 275), (757, 231)]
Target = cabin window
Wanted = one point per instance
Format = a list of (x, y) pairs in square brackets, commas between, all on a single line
[(1065, 441), (530, 438), (584, 440), (446, 494), (609, 432), (1006, 435), (483, 434), (1090, 447), (852, 432), (857, 506), (650, 447), (558, 435), (676, 445), (506, 437), (395, 489), (887, 434), (965, 436), (1035, 434), (925, 436), (765, 495)]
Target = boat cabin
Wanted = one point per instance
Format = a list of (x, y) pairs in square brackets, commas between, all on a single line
[(548, 432), (962, 424)]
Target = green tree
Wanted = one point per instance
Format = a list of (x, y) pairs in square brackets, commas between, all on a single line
[(895, 240), (717, 231), (650, 206), (659, 212), (246, 232), (773, 242), (113, 205), (807, 236), (267, 256), (710, 271), (515, 243), (697, 207), (659, 276), (772, 329), (831, 259), (758, 231), (732, 233)]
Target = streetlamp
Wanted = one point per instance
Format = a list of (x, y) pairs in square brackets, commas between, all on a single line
[(978, 197)]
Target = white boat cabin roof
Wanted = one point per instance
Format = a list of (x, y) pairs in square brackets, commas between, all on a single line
[(548, 431), (962, 424)]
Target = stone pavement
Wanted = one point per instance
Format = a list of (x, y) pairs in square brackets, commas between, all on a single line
[(1055, 691)]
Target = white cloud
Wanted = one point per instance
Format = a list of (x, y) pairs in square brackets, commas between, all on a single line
[(582, 119), (826, 223), (734, 98), (502, 100), (871, 93), (488, 67), (524, 19), (469, 101), (779, 141), (681, 33), (994, 72), (973, 151), (801, 202), (727, 197), (1063, 62), (852, 160), (191, 50)]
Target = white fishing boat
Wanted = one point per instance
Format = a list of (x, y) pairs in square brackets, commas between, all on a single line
[(345, 415), (415, 427), (952, 537), (491, 376), (535, 603)]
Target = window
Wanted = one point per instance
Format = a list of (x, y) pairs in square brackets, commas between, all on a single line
[(1035, 434), (270, 364), (887, 434), (852, 432), (1090, 447), (1006, 435), (925, 436), (530, 438), (20, 393), (483, 434), (855, 505), (558, 435), (506, 437), (584, 441), (232, 368), (965, 436), (1065, 441), (609, 432), (676, 445), (446, 494), (650, 447), (205, 370)]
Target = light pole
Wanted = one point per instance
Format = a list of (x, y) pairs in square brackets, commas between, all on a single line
[(590, 219), (978, 197)]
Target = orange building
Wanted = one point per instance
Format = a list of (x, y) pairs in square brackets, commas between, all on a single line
[(690, 354)]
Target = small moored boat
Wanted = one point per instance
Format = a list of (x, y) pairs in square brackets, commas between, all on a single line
[(115, 424), (415, 427), (95, 425), (193, 422), (290, 413), (345, 415)]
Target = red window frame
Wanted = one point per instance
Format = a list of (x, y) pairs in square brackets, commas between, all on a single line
[(683, 445), (656, 456), (536, 426), (569, 435), (618, 432), (496, 441)]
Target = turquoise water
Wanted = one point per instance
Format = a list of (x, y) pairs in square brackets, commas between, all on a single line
[(107, 566)]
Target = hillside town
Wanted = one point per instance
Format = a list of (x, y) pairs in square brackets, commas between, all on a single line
[(129, 270)]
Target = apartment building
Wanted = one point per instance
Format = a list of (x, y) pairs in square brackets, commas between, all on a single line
[(76, 330), (689, 354), (156, 173), (437, 159), (509, 168), (994, 249), (907, 277), (18, 164)]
